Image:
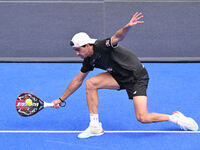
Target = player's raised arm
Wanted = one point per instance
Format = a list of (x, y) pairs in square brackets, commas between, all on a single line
[(120, 34), (72, 87)]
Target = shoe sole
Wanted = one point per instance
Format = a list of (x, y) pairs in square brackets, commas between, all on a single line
[(195, 125), (91, 135)]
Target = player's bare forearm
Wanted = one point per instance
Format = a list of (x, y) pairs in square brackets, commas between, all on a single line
[(121, 34), (74, 85)]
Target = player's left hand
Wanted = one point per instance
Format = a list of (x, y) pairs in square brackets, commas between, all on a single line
[(136, 19)]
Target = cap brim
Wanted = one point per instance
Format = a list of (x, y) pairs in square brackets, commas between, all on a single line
[(92, 41)]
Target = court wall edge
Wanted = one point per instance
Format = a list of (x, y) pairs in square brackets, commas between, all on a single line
[(79, 60)]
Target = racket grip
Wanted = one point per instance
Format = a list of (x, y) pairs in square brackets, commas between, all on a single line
[(48, 104)]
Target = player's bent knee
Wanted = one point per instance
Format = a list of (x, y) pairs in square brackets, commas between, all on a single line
[(142, 118), (91, 84)]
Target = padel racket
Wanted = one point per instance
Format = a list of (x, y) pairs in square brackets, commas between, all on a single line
[(34, 107)]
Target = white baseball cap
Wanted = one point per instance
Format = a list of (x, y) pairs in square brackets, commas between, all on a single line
[(81, 39)]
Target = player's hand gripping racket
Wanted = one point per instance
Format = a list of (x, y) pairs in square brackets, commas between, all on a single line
[(27, 104)]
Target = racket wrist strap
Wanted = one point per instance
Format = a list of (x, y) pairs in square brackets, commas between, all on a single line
[(61, 100)]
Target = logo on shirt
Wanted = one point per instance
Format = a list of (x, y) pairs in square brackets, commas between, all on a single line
[(109, 69), (108, 43)]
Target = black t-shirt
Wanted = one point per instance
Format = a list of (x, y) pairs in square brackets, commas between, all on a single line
[(115, 59)]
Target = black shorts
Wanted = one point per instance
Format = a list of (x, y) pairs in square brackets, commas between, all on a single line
[(134, 86)]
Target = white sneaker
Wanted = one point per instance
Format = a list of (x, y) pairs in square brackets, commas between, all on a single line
[(91, 131), (184, 122)]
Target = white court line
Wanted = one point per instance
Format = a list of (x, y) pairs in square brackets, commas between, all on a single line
[(37, 131)]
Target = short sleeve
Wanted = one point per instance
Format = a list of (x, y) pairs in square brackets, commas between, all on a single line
[(86, 66), (105, 45), (109, 43), (113, 46)]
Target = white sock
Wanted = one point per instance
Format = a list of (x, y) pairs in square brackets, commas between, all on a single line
[(94, 120), (173, 118)]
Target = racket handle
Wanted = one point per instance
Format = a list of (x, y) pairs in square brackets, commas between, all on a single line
[(48, 104)]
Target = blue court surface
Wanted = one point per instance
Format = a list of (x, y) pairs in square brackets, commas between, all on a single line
[(173, 86)]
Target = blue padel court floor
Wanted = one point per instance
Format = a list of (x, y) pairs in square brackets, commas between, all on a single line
[(172, 87)]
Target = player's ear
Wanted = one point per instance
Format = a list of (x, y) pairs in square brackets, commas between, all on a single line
[(87, 45), (71, 43)]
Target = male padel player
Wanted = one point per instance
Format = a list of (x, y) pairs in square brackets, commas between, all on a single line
[(123, 71)]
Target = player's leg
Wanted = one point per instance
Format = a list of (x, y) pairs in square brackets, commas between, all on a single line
[(101, 81), (142, 114), (140, 103)]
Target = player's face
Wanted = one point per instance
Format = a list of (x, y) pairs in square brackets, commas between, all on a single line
[(83, 51)]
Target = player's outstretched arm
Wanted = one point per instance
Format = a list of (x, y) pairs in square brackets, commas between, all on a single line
[(73, 86), (120, 34)]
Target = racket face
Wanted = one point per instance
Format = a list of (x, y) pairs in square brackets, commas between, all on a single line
[(28, 110)]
